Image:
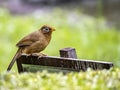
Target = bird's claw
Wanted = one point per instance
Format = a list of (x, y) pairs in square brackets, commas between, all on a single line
[(41, 55), (24, 54)]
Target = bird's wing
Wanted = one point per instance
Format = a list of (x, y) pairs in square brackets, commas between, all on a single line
[(24, 42), (28, 40)]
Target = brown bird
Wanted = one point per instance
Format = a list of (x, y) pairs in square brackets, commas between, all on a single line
[(33, 43)]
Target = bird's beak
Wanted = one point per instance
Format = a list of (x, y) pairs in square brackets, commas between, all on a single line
[(53, 29)]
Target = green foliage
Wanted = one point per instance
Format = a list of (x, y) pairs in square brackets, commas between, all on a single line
[(90, 36), (90, 80)]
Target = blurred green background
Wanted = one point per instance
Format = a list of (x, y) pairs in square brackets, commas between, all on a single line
[(90, 35)]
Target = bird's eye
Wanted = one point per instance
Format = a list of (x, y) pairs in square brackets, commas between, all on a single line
[(46, 30)]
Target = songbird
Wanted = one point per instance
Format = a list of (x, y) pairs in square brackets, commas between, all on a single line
[(33, 43)]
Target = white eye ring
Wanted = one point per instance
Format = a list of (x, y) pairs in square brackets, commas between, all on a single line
[(46, 30)]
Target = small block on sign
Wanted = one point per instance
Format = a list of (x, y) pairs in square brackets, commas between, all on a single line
[(67, 49)]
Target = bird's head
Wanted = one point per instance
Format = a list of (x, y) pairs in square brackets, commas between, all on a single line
[(47, 29)]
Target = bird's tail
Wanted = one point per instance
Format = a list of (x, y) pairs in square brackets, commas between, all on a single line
[(17, 55)]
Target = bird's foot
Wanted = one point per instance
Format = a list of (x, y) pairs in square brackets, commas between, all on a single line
[(24, 54), (27, 55), (38, 54), (41, 55)]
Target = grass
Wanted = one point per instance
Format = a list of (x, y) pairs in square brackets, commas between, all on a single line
[(90, 80)]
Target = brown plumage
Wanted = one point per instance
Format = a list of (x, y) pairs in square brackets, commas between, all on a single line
[(33, 43)]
